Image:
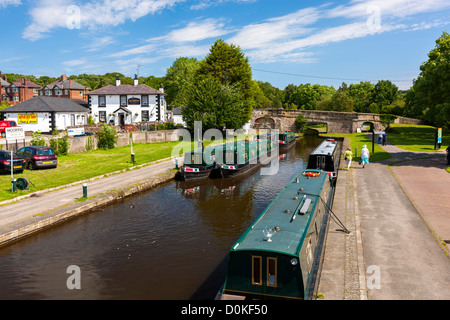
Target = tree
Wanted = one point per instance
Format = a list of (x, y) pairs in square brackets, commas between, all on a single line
[(300, 123), (273, 94), (360, 94), (307, 95), (384, 93), (217, 105), (179, 79), (431, 90), (227, 64), (340, 101)]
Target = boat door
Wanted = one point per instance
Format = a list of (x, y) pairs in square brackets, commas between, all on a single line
[(320, 162)]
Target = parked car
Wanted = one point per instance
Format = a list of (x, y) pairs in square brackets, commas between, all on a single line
[(6, 124), (38, 157), (5, 161)]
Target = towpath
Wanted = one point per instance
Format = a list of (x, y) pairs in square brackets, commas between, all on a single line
[(399, 216)]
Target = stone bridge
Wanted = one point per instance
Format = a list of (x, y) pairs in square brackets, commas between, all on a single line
[(343, 122)]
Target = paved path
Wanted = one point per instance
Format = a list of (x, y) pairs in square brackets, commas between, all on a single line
[(396, 246)]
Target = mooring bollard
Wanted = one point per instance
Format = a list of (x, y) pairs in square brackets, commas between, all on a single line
[(85, 190), (176, 163), (132, 158), (13, 185)]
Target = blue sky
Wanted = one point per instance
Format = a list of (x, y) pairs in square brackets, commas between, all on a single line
[(286, 41)]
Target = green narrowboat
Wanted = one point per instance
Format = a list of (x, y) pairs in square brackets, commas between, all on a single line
[(245, 156), (280, 254), (286, 140), (200, 163)]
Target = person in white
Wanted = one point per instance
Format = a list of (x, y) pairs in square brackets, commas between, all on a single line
[(364, 155)]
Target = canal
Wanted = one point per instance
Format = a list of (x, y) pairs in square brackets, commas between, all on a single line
[(169, 243)]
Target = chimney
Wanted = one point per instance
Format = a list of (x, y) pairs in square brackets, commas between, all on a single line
[(136, 81), (117, 81), (161, 88), (63, 77)]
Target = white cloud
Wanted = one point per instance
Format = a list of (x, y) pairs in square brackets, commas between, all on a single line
[(198, 30), (5, 3), (48, 14)]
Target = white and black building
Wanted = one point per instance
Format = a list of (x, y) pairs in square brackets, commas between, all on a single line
[(48, 113), (127, 104)]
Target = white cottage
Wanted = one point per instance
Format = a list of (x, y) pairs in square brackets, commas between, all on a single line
[(126, 104), (47, 113)]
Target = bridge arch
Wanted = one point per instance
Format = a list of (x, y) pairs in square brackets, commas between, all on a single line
[(265, 123)]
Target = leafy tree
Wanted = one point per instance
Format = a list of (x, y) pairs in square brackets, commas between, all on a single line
[(259, 98), (217, 105), (288, 92), (273, 94), (227, 64), (384, 93), (361, 94), (431, 90), (179, 79), (307, 95), (340, 101)]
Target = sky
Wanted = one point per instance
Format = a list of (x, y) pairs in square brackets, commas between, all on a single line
[(286, 41)]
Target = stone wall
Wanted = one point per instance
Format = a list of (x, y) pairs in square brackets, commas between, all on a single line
[(343, 122)]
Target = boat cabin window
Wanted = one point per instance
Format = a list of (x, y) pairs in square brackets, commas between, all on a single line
[(272, 272), (257, 270)]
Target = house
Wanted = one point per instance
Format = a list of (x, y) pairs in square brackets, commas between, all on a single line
[(20, 91), (47, 113), (177, 117), (3, 86), (65, 88), (126, 104)]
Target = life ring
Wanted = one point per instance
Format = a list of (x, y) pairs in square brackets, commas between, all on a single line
[(311, 174)]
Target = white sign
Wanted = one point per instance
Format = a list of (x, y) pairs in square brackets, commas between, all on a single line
[(14, 133), (75, 131)]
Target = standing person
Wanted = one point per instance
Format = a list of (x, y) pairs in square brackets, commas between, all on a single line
[(384, 138), (348, 157), (364, 155)]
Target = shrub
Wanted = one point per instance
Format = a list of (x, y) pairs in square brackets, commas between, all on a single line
[(60, 145), (107, 137), (300, 123), (37, 140)]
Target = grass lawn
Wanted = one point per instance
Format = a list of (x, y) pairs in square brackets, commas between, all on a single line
[(357, 140), (416, 137), (81, 166)]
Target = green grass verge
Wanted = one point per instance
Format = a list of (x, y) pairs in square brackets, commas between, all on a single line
[(80, 166), (357, 140), (416, 137)]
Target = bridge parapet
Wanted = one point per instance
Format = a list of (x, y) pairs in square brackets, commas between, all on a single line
[(342, 122)]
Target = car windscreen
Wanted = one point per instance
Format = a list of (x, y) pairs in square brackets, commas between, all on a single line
[(44, 152), (6, 155)]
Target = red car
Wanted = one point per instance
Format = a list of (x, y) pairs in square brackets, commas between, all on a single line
[(38, 157), (6, 124)]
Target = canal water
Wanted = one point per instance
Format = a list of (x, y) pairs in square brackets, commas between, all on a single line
[(169, 243)]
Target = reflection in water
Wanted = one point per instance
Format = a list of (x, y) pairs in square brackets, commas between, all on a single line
[(170, 243)]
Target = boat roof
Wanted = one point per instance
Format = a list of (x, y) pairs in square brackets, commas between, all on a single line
[(289, 238), (326, 147)]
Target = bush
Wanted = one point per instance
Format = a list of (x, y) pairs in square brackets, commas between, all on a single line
[(60, 145), (37, 140), (300, 123), (107, 137)]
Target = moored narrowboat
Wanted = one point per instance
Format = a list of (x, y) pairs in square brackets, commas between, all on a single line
[(286, 140), (245, 156), (199, 163), (279, 255), (325, 156)]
